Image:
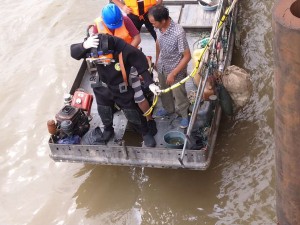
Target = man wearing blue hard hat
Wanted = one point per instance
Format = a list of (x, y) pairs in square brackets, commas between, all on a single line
[(114, 23)]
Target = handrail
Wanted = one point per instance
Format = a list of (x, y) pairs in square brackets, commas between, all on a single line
[(201, 86)]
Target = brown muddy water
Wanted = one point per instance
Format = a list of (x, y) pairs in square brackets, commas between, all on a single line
[(36, 70)]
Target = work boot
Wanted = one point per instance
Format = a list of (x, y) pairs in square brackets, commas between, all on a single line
[(106, 115), (107, 133), (152, 127), (149, 140)]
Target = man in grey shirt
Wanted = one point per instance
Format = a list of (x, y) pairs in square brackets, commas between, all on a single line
[(172, 57)]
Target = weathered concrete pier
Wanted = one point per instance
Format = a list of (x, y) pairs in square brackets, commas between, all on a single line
[(286, 44)]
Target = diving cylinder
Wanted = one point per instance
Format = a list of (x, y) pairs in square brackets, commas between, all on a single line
[(198, 51), (209, 88), (204, 115), (196, 55)]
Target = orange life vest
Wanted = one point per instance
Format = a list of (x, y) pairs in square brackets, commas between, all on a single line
[(120, 32), (133, 4)]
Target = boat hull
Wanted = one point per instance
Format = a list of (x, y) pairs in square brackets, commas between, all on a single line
[(120, 151)]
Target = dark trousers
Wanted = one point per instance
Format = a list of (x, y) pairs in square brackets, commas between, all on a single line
[(108, 97), (139, 23)]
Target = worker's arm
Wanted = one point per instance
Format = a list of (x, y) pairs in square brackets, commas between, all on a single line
[(78, 51), (136, 40), (133, 31), (137, 59), (157, 53), (183, 62), (181, 65)]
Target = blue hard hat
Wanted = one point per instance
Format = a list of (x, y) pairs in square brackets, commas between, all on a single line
[(112, 16)]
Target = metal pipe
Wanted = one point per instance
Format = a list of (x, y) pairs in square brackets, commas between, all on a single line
[(286, 45)]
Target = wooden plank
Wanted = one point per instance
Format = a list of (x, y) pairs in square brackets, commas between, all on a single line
[(174, 12), (179, 2), (193, 16)]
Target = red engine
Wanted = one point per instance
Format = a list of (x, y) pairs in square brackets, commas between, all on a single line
[(82, 100)]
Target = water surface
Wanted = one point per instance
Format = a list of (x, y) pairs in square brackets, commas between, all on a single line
[(36, 70)]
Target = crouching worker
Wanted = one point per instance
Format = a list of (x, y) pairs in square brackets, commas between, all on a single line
[(113, 84)]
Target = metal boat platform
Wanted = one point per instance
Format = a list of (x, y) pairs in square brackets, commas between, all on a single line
[(126, 147)]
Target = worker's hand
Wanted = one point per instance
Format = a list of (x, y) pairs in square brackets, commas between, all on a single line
[(155, 89), (155, 76), (91, 42), (170, 79)]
